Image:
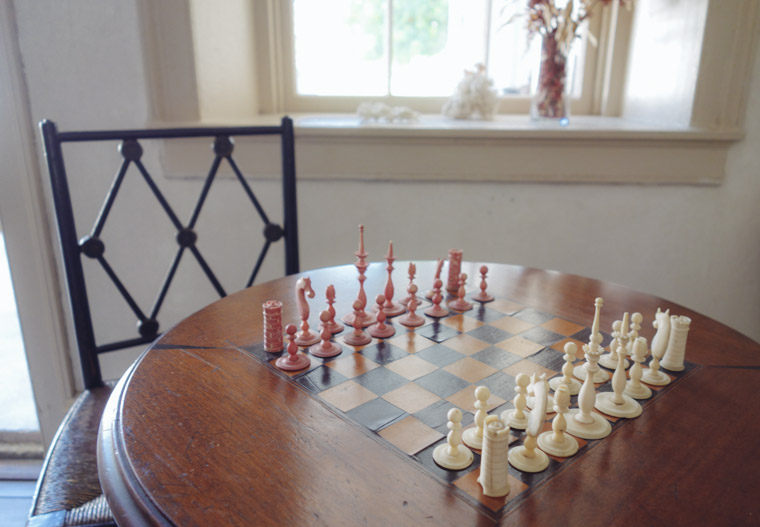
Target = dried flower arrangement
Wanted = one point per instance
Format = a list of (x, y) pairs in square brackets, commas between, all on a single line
[(557, 22)]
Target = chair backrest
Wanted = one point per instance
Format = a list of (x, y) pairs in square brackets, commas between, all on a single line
[(92, 246)]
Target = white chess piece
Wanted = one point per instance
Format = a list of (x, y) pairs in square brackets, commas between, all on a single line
[(494, 473), (473, 437), (633, 332), (616, 403), (557, 442), (573, 385), (609, 360), (674, 355), (583, 421), (633, 387), (592, 350), (453, 455), (518, 417), (530, 400), (653, 375), (527, 457)]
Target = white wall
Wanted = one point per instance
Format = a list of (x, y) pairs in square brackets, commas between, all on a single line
[(694, 245)]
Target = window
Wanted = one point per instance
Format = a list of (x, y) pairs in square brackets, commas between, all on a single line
[(337, 53)]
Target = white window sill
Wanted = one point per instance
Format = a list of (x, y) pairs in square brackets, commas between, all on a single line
[(509, 148)]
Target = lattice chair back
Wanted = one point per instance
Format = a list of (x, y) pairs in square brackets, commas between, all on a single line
[(92, 246)]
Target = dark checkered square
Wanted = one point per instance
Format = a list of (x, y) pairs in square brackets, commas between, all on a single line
[(442, 383), (489, 334), (320, 379), (496, 357), (381, 380), (534, 316), (481, 313), (501, 385), (376, 414), (541, 336), (383, 353), (439, 355), (437, 332), (549, 358)]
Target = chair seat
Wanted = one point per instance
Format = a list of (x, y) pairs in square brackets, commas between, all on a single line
[(68, 490)]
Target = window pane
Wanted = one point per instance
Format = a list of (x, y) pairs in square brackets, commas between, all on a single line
[(434, 41), (340, 47)]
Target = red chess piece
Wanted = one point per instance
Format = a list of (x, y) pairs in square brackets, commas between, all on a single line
[(293, 361), (381, 330), (483, 296), (334, 325), (436, 310), (358, 337), (412, 319), (412, 273), (326, 348), (460, 304)]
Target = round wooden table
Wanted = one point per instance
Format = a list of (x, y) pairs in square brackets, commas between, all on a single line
[(200, 432)]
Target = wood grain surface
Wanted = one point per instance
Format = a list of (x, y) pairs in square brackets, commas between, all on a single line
[(199, 432)]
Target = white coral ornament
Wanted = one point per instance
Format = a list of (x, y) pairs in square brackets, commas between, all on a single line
[(475, 97)]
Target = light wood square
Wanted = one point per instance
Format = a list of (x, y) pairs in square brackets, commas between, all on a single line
[(512, 325), (520, 346), (470, 370), (504, 306), (411, 398), (410, 435), (461, 323), (410, 342), (562, 327), (411, 367), (353, 365), (347, 396), (528, 367), (465, 400), (466, 344)]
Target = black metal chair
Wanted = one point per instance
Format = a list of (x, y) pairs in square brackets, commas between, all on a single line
[(68, 491)]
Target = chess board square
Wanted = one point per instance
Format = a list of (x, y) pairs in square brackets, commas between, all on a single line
[(461, 323), (541, 336), (481, 313), (411, 398), (533, 315), (437, 331), (470, 369), (520, 346), (435, 415), (465, 400), (512, 325), (529, 368), (410, 341), (352, 365), (560, 346), (439, 355), (442, 383), (380, 380), (562, 326), (469, 484), (550, 359), (376, 414), (411, 367), (383, 352), (321, 379), (531, 479), (497, 357), (489, 334), (347, 396), (465, 344), (505, 306), (410, 435), (425, 457), (500, 384)]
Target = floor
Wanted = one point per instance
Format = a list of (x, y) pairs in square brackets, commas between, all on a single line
[(17, 481)]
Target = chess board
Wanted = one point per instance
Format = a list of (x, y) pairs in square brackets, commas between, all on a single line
[(400, 389)]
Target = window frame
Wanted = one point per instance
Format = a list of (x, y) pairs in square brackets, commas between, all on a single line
[(277, 61)]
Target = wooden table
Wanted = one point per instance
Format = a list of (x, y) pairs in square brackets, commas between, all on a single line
[(198, 432)]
